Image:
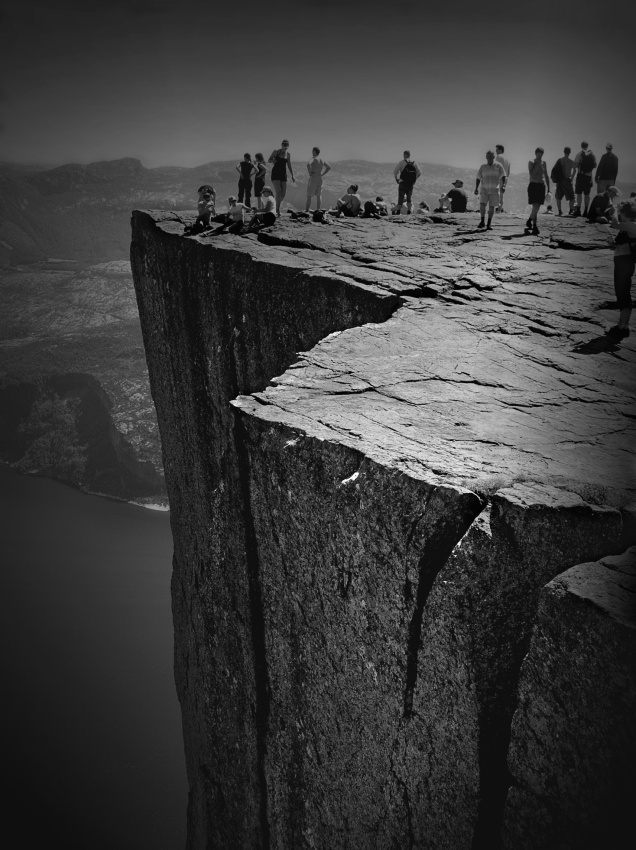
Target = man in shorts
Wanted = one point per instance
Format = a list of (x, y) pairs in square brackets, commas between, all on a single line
[(490, 177), (585, 163), (499, 151), (406, 172), (316, 168), (564, 188)]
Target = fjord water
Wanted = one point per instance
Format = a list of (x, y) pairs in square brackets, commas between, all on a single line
[(93, 757)]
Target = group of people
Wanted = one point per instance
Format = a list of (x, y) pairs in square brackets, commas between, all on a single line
[(573, 180)]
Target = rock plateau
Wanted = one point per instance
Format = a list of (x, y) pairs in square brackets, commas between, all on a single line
[(400, 462)]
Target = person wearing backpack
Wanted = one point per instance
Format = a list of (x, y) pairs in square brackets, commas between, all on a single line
[(561, 176), (406, 172), (585, 163)]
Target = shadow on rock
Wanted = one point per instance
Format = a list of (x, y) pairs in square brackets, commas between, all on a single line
[(597, 345)]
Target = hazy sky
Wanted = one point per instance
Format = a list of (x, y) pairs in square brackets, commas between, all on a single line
[(184, 82)]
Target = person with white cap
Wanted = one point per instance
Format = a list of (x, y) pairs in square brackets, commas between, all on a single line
[(607, 169)]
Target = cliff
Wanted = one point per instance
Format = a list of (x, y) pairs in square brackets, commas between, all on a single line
[(365, 531)]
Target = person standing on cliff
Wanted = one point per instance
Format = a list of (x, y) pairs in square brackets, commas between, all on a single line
[(585, 163), (562, 176), (245, 170), (259, 178), (539, 180), (500, 158), (624, 220), (316, 168), (607, 170), (490, 177), (282, 162), (406, 173)]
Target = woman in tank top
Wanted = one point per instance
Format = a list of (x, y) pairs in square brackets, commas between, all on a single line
[(282, 162), (536, 188)]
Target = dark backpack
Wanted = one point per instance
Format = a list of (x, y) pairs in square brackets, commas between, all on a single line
[(408, 175), (557, 172), (587, 163)]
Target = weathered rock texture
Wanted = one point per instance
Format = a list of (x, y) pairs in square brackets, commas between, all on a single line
[(573, 744), (362, 541)]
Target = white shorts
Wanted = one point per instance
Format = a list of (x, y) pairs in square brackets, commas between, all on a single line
[(491, 197)]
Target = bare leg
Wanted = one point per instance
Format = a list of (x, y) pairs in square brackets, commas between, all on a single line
[(482, 210), (278, 193), (308, 204), (283, 192), (319, 199)]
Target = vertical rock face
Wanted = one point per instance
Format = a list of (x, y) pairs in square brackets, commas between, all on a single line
[(573, 746), (361, 542)]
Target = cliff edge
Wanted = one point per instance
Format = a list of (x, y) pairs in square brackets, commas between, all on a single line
[(383, 441)]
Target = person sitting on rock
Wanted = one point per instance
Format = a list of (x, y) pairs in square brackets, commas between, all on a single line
[(206, 208), (370, 210), (422, 208), (233, 218), (457, 197), (350, 203), (266, 216), (382, 205), (601, 208)]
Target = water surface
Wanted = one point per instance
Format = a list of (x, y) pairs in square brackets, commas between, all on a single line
[(94, 756)]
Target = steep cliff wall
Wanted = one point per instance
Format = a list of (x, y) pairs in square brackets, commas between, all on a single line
[(360, 545)]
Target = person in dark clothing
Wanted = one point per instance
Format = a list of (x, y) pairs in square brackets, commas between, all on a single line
[(457, 197), (282, 163), (602, 208), (245, 169), (606, 170)]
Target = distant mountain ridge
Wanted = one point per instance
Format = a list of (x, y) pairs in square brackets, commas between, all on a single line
[(82, 212)]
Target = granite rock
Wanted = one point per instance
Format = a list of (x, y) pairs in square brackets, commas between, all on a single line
[(381, 439)]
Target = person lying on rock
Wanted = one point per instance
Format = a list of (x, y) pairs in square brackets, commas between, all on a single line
[(601, 208), (266, 216), (350, 203), (207, 210)]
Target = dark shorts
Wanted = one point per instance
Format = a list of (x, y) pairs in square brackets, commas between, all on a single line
[(583, 185), (564, 189), (536, 193), (623, 273), (268, 219), (259, 185)]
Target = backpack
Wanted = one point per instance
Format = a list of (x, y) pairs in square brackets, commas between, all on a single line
[(587, 163), (557, 172), (408, 175)]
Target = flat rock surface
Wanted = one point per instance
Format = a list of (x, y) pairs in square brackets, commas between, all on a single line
[(494, 368)]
